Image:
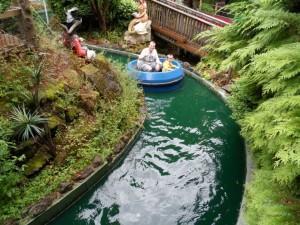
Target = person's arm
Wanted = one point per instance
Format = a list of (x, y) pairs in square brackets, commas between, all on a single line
[(156, 57), (143, 54)]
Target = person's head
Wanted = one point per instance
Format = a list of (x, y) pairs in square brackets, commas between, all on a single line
[(170, 57), (152, 45), (75, 36)]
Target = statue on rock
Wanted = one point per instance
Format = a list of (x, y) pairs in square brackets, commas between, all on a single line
[(70, 25), (73, 41), (81, 51), (139, 29)]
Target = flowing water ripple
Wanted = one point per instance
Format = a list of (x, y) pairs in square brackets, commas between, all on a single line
[(180, 171)]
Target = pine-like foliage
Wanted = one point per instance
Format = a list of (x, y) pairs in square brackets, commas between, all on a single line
[(262, 46), (273, 129), (269, 204), (258, 27)]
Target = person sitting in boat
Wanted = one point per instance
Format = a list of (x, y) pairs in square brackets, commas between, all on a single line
[(148, 59), (168, 65)]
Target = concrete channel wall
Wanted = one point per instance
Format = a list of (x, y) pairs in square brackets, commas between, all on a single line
[(219, 92), (99, 174)]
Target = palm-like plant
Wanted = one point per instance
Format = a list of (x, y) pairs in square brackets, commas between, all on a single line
[(26, 124), (36, 77)]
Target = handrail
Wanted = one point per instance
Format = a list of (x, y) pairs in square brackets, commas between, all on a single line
[(185, 13), (208, 18)]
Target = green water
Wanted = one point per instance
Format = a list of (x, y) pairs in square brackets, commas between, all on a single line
[(187, 167)]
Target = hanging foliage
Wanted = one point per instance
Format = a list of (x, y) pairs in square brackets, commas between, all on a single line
[(262, 47)]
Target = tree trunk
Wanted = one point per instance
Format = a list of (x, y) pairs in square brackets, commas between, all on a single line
[(200, 5), (102, 22), (188, 3), (27, 22), (99, 12), (196, 4)]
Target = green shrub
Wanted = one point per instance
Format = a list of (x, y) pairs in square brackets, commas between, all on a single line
[(4, 5), (116, 13), (262, 47), (81, 141), (9, 172), (268, 203)]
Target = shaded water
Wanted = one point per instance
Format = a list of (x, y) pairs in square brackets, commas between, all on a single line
[(187, 167)]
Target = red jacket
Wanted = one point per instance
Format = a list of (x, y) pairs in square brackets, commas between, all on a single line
[(77, 48)]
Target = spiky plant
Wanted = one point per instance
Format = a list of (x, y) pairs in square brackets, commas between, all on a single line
[(37, 77), (26, 124)]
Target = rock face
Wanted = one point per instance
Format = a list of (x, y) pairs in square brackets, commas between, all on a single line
[(41, 206), (103, 78), (119, 147), (10, 222), (65, 187), (138, 38), (83, 174), (97, 161), (88, 99), (72, 79), (35, 164)]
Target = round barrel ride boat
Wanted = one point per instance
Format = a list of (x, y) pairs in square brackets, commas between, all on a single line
[(156, 78)]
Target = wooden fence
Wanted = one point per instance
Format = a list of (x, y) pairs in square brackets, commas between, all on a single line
[(179, 24)]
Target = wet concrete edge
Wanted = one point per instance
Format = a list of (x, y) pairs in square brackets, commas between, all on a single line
[(70, 198), (224, 96)]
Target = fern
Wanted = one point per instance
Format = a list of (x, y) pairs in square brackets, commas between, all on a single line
[(262, 46)]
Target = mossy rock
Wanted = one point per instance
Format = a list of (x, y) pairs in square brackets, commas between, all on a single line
[(35, 164), (72, 79), (88, 99), (89, 71), (71, 113), (27, 148), (51, 91), (54, 121), (108, 86), (101, 62)]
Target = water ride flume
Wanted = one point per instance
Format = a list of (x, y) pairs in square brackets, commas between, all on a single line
[(156, 78)]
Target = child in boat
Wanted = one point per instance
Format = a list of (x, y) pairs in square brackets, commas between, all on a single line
[(168, 65)]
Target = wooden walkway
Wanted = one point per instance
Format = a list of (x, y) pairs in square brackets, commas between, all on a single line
[(9, 42), (179, 24)]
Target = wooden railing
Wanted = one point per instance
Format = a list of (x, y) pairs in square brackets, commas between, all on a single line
[(9, 42), (15, 10), (179, 24)]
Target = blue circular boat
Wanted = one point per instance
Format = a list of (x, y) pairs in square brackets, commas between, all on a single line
[(156, 78)]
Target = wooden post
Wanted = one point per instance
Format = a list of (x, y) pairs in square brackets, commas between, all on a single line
[(27, 24), (200, 5)]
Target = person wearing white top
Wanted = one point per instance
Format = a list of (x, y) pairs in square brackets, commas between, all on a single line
[(148, 59)]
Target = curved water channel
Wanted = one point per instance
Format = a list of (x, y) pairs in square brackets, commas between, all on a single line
[(187, 167)]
